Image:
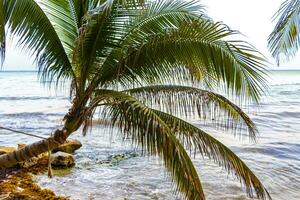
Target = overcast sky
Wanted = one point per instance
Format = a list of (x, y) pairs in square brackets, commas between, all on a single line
[(253, 18), (250, 17)]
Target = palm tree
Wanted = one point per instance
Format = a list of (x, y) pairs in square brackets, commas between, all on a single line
[(128, 59), (284, 40)]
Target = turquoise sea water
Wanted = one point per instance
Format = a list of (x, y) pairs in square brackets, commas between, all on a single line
[(27, 105)]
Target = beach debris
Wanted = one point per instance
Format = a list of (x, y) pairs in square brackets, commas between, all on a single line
[(20, 184), (62, 160)]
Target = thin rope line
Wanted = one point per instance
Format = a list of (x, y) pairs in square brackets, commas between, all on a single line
[(29, 134), (21, 132)]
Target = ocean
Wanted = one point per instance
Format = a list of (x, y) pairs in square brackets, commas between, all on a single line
[(27, 105)]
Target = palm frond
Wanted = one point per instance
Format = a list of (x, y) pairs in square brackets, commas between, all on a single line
[(145, 128), (194, 137), (90, 37), (148, 18), (2, 33), (83, 7), (36, 34), (190, 101), (200, 46), (156, 16), (101, 33), (285, 38), (63, 16)]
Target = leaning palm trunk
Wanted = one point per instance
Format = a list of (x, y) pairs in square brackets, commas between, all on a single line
[(32, 150), (147, 48)]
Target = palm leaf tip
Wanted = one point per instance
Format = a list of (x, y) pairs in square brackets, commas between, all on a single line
[(190, 101), (2, 33), (195, 138), (147, 127), (140, 123), (284, 40), (26, 20)]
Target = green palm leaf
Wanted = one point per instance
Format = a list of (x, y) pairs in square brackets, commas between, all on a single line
[(146, 19), (285, 39), (148, 130), (63, 16), (199, 47), (190, 101), (2, 33), (36, 34), (208, 146), (137, 122), (100, 33), (91, 37)]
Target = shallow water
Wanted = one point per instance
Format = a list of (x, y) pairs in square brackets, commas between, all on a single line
[(26, 105)]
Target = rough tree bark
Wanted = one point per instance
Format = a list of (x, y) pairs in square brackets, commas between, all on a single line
[(33, 150), (73, 120)]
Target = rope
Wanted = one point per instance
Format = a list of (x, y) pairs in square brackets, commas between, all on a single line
[(21, 132), (50, 173), (28, 134)]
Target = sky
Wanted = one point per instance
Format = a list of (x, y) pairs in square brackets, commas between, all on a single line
[(253, 18)]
